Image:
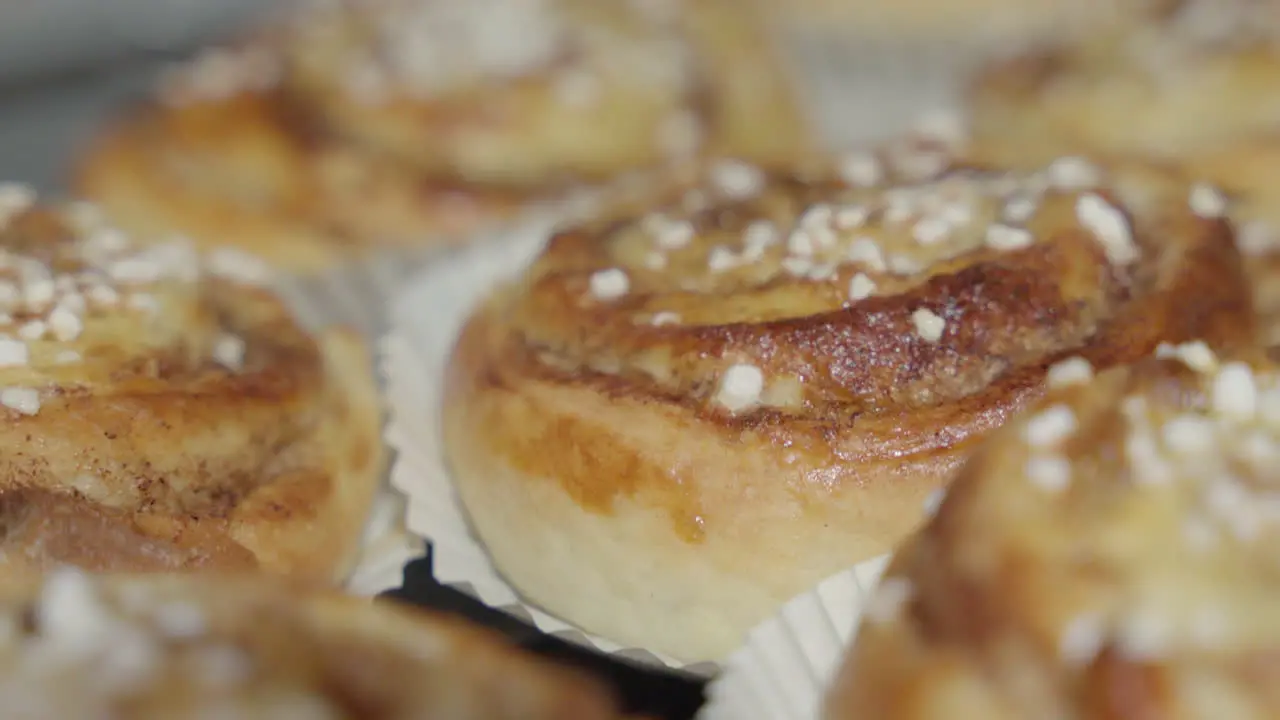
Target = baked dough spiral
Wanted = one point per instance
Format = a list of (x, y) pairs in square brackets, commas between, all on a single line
[(352, 126), (682, 415), (169, 647), (523, 90), (1107, 555), (224, 156), (1193, 83), (162, 414)]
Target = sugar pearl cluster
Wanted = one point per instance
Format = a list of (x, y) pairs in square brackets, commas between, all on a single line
[(1240, 423), (219, 74), (88, 647), (1210, 472), (1230, 451), (874, 232), (97, 272), (1218, 460)]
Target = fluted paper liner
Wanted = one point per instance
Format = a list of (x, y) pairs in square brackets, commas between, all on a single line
[(783, 670), (357, 296), (426, 318)]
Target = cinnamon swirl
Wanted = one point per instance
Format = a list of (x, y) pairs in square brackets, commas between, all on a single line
[(352, 125), (224, 157), (1107, 555), (1194, 84), (678, 418), (170, 647), (162, 414)]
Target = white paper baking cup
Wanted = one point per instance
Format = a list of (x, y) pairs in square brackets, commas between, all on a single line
[(386, 547), (426, 319), (356, 296), (783, 670)]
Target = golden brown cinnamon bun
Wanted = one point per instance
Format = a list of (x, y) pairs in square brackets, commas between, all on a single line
[(677, 419), (162, 414), (519, 91), (173, 647), (1194, 84), (224, 157), (1107, 555)]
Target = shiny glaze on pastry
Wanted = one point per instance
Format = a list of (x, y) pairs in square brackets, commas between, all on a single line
[(1192, 83), (758, 379)]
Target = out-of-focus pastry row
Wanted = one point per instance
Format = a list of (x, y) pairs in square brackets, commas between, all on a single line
[(346, 127), (155, 647)]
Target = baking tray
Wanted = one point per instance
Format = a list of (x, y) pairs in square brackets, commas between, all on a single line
[(45, 121)]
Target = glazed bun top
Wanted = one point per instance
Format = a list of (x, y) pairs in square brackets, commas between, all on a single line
[(888, 281), (1112, 553)]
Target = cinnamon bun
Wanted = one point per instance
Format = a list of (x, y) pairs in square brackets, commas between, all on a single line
[(679, 417), (354, 125), (522, 90), (224, 157), (163, 412), (1186, 83), (1107, 555), (1194, 84), (171, 647)]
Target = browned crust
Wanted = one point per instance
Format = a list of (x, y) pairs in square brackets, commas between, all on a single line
[(272, 467), (1092, 98), (292, 505), (863, 368), (553, 389), (251, 172)]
